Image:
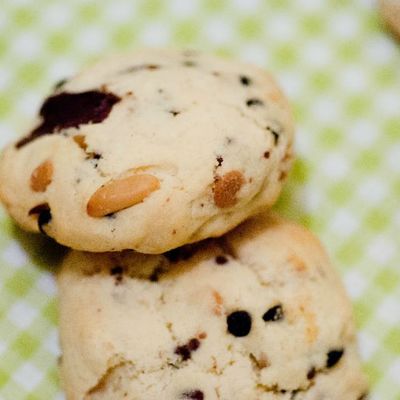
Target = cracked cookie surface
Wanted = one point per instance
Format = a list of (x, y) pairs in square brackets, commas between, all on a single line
[(209, 140), (257, 314)]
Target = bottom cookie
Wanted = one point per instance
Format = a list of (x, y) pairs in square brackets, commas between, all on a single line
[(257, 314)]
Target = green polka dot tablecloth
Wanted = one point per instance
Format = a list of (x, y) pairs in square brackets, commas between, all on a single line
[(341, 70)]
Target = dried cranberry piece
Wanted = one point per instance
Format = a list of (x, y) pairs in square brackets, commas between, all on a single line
[(193, 395), (186, 350), (67, 110)]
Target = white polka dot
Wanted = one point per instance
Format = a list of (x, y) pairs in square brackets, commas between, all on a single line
[(155, 34), (60, 396), (7, 133), (381, 250), (253, 52), (57, 15), (388, 104), (3, 20), (219, 30), (393, 158), (51, 343), (380, 50), (335, 166), (27, 45), (21, 314), (28, 103), (282, 27), (92, 40), (368, 345), (353, 79), (14, 255), (46, 284), (20, 3), (394, 369), (326, 109), (373, 190), (389, 311), (247, 5), (344, 25), (5, 78), (355, 284), (61, 68), (3, 347), (363, 133), (183, 8), (303, 143), (316, 53), (292, 84), (28, 376), (120, 11), (310, 5), (344, 223), (311, 199)]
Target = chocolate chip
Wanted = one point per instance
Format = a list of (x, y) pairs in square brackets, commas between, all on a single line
[(274, 314), (193, 395), (239, 323), (254, 102), (181, 253), (275, 130), (189, 63), (275, 134), (67, 110), (155, 275), (245, 80), (174, 112), (364, 396), (220, 160), (135, 68), (333, 357), (311, 373), (44, 215), (267, 154), (60, 84), (116, 270), (186, 350), (221, 260)]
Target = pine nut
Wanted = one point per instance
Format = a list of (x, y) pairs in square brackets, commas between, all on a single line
[(226, 187), (41, 176), (118, 194)]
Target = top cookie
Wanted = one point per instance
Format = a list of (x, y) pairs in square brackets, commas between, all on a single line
[(150, 151)]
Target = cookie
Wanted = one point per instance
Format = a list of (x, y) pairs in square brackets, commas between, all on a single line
[(150, 151), (390, 10), (257, 314)]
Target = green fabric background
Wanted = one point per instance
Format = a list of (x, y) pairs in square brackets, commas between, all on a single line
[(341, 70)]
